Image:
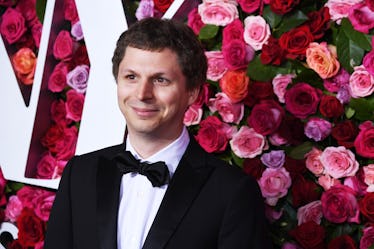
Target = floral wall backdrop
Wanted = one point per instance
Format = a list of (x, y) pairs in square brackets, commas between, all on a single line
[(289, 99)]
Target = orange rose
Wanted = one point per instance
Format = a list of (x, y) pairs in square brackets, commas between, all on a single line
[(24, 62), (235, 85), (322, 59)]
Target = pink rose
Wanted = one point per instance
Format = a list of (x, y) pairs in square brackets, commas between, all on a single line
[(43, 204), (339, 9), (274, 184), (368, 62), (361, 17), (194, 21), (277, 140), (218, 13), (317, 129), (302, 100), (13, 208), (49, 167), (229, 111), (364, 142), (63, 46), (339, 204), (266, 117), (339, 162), (193, 115), (322, 59), (76, 31), (367, 239), (74, 105), (213, 134), (369, 177), (216, 65), (78, 77), (57, 79), (310, 212), (256, 31), (12, 25), (313, 161), (237, 54), (249, 6), (361, 82), (145, 9), (280, 83), (247, 143), (326, 181)]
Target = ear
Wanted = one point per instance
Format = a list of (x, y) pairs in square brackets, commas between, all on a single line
[(193, 94)]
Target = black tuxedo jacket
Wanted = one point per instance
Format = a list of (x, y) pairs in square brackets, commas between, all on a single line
[(208, 205)]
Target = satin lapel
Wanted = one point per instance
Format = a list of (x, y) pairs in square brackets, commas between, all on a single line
[(184, 186), (108, 185)]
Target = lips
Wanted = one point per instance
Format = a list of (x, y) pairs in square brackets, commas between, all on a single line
[(145, 112)]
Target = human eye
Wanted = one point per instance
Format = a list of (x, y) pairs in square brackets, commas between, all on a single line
[(161, 81)]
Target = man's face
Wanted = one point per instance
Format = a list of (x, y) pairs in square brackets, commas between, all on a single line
[(152, 93)]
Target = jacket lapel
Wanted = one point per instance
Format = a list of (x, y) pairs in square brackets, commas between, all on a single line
[(108, 186), (184, 186)]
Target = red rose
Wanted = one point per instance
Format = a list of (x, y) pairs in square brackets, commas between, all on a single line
[(367, 206), (281, 7), (80, 57), (28, 10), (345, 133), (330, 107), (272, 53), (309, 235), (211, 136), (12, 26), (15, 244), (253, 167), (261, 90), (54, 134), (66, 147), (292, 129), (58, 111), (302, 100), (364, 142), (295, 167), (319, 22), (162, 5), (63, 46), (296, 41), (266, 117), (249, 6), (233, 31), (30, 228), (343, 241), (57, 79), (303, 191), (74, 105)]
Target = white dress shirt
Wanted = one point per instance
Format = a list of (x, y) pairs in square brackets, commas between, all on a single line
[(139, 200)]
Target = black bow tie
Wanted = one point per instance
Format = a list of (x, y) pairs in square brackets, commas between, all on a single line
[(157, 173)]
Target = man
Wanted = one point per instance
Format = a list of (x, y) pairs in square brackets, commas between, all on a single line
[(205, 203)]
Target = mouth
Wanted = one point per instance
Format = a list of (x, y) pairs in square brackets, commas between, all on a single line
[(145, 112)]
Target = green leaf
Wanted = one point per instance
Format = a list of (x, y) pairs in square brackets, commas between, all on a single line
[(260, 72), (349, 112), (372, 246), (364, 108), (271, 18), (360, 39), (291, 22), (349, 53), (299, 151), (310, 76), (208, 32), (40, 9)]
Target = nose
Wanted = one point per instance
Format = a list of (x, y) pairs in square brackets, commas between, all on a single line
[(145, 90)]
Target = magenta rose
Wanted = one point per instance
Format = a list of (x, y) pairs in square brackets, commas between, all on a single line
[(57, 79), (339, 9), (216, 65), (63, 46), (12, 26), (49, 167), (368, 62), (70, 11), (335, 83), (26, 195), (233, 31), (194, 21), (247, 143), (249, 6), (339, 162), (361, 17), (28, 9), (43, 204), (266, 117), (193, 115), (65, 148), (74, 105), (256, 31), (339, 204), (58, 111), (237, 54), (302, 100), (218, 13), (229, 111), (78, 77), (213, 134), (317, 128), (367, 239), (280, 83), (36, 31), (343, 241), (310, 212), (364, 142), (274, 184)]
